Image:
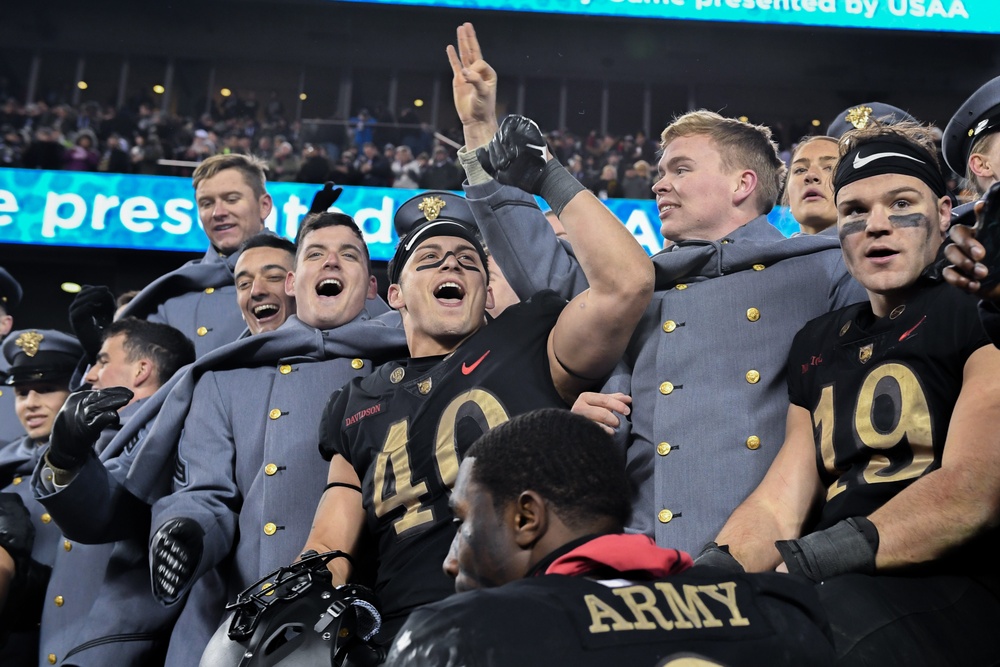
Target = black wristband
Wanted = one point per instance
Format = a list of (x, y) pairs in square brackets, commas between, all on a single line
[(558, 186)]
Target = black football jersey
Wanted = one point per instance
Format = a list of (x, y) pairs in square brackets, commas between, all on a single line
[(406, 427), (881, 393)]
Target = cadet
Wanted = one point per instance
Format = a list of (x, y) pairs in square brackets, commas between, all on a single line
[(199, 297), (10, 299)]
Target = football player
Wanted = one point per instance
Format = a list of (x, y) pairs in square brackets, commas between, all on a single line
[(887, 488), (395, 440)]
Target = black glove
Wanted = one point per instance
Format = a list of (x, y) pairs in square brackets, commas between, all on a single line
[(17, 534), (174, 554), (517, 155), (79, 423), (718, 556), (92, 310), (325, 198), (847, 546)]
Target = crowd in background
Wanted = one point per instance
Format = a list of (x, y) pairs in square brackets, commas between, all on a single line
[(372, 148)]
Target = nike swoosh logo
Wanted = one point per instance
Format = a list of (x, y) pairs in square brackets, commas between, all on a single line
[(906, 334), (862, 161), (543, 150), (468, 369)]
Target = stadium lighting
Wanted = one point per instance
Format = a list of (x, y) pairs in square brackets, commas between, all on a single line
[(70, 287), (418, 102), (158, 89), (225, 92), (82, 85)]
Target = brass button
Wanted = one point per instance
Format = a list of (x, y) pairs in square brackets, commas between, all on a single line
[(274, 414), (59, 600), (18, 480), (724, 241), (753, 442), (46, 518), (753, 314), (669, 326), (663, 448), (270, 469), (666, 388), (758, 267), (284, 369), (357, 364), (67, 545), (270, 528), (665, 516), (753, 377), (1, 392), (209, 290), (202, 331), (682, 286), (52, 658)]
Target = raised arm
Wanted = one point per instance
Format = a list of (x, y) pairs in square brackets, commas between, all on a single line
[(340, 518), (592, 331), (514, 228), (779, 506)]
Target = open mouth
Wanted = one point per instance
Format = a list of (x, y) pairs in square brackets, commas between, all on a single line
[(449, 292), (811, 195), (265, 310), (330, 287), (877, 253)]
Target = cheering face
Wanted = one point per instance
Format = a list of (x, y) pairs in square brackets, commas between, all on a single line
[(810, 185), (331, 281), (442, 295), (694, 191), (229, 211), (260, 288), (37, 404), (891, 227), (484, 553)]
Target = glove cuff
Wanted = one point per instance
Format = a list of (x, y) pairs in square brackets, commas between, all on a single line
[(64, 463), (847, 546), (718, 556), (557, 186)]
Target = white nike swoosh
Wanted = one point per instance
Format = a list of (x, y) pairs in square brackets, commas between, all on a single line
[(862, 161), (543, 149)]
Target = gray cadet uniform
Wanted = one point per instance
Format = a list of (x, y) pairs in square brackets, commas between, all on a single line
[(42, 356), (198, 299), (99, 608), (10, 426), (708, 358), (250, 414)]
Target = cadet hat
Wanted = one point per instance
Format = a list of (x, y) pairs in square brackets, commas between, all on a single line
[(978, 115), (433, 213), (857, 117), (40, 355), (10, 291)]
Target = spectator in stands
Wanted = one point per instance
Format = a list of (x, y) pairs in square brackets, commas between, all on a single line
[(406, 170), (115, 159), (442, 173), (82, 156), (284, 164), (44, 152), (315, 167), (637, 184), (375, 170), (146, 153), (607, 186)]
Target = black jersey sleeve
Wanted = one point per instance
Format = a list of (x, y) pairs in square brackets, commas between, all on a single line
[(330, 433), (799, 356)]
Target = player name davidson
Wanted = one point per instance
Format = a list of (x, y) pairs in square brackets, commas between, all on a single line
[(670, 610), (361, 414)]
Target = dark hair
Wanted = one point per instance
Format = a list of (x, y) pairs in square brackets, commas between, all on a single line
[(167, 347), (315, 221), (566, 458), (268, 240)]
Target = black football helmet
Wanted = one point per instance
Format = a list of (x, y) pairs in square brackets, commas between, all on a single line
[(295, 617)]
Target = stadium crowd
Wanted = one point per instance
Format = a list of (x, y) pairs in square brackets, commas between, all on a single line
[(794, 459)]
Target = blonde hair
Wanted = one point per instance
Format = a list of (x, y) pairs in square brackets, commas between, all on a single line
[(740, 145), (250, 167), (982, 144), (908, 130)]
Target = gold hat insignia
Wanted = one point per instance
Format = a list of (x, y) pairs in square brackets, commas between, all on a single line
[(431, 207), (865, 353), (29, 342), (859, 117)]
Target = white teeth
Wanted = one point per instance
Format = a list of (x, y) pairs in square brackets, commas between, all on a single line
[(331, 281), (265, 310)]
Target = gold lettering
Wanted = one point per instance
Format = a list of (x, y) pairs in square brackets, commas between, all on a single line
[(639, 609), (601, 611), (689, 606), (728, 598)]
